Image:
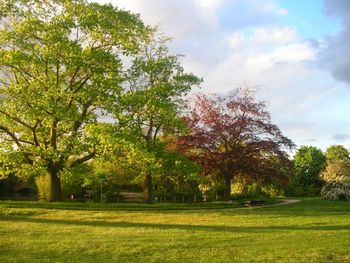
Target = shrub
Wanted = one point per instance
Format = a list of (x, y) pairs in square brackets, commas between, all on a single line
[(336, 191), (337, 179), (43, 184)]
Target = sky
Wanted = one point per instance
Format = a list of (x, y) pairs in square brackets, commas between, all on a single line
[(294, 52)]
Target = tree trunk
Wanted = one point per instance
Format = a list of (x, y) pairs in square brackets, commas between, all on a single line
[(55, 185), (148, 189), (228, 186)]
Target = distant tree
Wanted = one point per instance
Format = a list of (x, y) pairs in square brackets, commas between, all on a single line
[(336, 175), (60, 68), (337, 180), (337, 153), (308, 163), (233, 135)]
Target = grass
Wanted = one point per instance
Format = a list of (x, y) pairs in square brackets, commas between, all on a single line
[(311, 231)]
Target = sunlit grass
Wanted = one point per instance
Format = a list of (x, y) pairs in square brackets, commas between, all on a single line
[(310, 231)]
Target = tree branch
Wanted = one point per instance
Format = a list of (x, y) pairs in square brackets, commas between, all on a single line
[(53, 134), (83, 114), (83, 159), (17, 120), (11, 134)]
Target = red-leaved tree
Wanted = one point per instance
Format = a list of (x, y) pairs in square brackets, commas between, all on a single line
[(233, 135)]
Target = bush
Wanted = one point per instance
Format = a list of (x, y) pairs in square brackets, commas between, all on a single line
[(43, 184), (272, 190), (336, 192), (337, 179)]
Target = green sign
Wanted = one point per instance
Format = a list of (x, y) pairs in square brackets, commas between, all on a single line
[(101, 177)]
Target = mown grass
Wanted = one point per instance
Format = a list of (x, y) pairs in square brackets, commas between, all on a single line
[(311, 231)]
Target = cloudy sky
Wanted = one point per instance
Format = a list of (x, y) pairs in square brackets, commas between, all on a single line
[(296, 52)]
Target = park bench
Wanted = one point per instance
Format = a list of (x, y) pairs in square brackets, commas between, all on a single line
[(255, 203)]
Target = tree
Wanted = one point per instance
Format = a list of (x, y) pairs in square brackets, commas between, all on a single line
[(308, 163), (60, 68), (233, 135), (152, 101), (337, 153), (337, 180), (336, 175)]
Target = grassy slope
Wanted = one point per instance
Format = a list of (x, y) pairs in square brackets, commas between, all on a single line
[(311, 231)]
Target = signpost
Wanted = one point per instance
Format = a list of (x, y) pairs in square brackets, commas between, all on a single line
[(101, 178)]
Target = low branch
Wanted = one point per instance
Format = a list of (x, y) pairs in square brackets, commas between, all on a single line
[(83, 159), (16, 120), (11, 134)]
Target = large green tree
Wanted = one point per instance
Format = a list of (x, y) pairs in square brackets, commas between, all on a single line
[(153, 98), (60, 68), (308, 163)]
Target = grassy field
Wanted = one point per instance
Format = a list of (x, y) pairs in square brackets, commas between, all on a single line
[(310, 231)]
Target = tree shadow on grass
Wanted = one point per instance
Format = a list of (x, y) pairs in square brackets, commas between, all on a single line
[(309, 207), (185, 227), (121, 207)]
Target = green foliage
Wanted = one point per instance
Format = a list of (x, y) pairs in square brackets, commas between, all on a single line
[(77, 180), (155, 87), (308, 163), (60, 68), (337, 180), (336, 153), (43, 185), (255, 189), (272, 191), (176, 173)]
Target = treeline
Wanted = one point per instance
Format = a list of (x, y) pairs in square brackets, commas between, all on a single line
[(321, 173), (91, 94)]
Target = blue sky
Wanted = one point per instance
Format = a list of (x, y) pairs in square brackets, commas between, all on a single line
[(309, 18), (292, 50)]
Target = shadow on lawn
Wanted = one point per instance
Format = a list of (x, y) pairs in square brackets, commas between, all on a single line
[(312, 207), (125, 207), (253, 229)]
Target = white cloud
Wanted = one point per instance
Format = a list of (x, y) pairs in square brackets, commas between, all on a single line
[(178, 19), (230, 41), (282, 11), (210, 4), (274, 34), (294, 53)]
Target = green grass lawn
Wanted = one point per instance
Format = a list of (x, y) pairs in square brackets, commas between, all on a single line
[(310, 231)]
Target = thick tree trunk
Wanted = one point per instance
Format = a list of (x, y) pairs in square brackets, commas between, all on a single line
[(55, 185), (148, 189), (228, 186)]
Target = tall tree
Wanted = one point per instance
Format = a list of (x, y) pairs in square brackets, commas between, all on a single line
[(233, 135), (336, 153), (336, 178), (60, 67), (308, 163), (152, 100)]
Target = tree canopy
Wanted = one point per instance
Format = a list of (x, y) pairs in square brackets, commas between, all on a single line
[(61, 67), (337, 153), (233, 135), (153, 98), (308, 163)]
